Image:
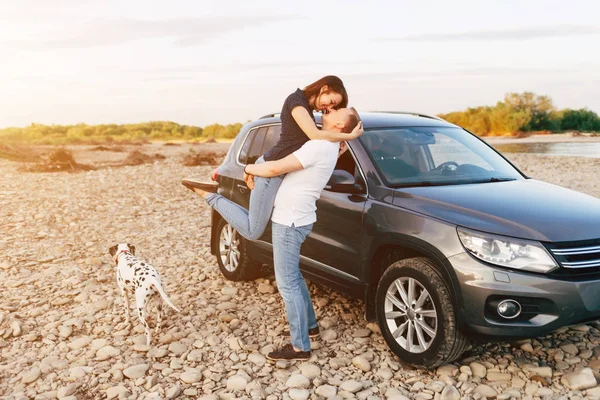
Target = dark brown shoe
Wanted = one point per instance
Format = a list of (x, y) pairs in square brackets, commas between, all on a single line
[(312, 333), (288, 353), (191, 184)]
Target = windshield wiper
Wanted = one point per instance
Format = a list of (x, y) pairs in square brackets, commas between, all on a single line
[(427, 183), (495, 179), (450, 183)]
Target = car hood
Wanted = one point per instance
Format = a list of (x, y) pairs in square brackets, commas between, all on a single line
[(525, 208)]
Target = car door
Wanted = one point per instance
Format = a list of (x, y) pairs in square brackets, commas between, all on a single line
[(334, 245)]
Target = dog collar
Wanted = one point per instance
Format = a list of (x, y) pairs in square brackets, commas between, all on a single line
[(118, 254)]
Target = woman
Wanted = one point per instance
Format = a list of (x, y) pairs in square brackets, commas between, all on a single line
[(297, 127)]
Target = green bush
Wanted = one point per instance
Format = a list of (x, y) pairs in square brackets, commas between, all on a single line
[(580, 120), (523, 112)]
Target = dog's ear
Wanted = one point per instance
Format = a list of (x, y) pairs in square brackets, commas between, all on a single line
[(113, 250), (131, 248)]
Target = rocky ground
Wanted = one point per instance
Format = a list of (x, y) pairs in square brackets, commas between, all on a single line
[(60, 308)]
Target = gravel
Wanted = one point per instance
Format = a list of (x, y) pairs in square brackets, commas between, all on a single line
[(61, 311)]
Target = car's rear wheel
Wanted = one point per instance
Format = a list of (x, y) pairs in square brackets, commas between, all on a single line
[(416, 314), (232, 254)]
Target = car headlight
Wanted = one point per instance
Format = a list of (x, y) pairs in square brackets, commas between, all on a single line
[(507, 252)]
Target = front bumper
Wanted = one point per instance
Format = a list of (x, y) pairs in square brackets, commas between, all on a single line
[(548, 303)]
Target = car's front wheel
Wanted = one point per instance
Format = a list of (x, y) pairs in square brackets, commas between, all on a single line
[(416, 314), (232, 254)]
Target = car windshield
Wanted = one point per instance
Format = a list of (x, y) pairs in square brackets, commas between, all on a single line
[(424, 156)]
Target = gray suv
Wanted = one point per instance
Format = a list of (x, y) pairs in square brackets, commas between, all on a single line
[(444, 240)]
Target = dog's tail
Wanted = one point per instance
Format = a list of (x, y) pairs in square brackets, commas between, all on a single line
[(158, 287)]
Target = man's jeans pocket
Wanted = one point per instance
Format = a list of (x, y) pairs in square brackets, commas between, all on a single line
[(303, 230)]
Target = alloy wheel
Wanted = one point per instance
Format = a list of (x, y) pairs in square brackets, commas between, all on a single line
[(410, 314), (229, 248)]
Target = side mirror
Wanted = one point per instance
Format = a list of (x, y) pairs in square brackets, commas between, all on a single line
[(343, 182)]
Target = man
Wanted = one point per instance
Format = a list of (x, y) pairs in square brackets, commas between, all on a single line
[(307, 172)]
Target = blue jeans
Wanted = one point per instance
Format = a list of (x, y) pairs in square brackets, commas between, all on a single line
[(251, 223), (290, 282)]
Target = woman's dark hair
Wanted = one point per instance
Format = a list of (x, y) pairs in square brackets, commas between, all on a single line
[(334, 83)]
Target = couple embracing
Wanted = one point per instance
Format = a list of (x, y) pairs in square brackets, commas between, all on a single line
[(286, 183)]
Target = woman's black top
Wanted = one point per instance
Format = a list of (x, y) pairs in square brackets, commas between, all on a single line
[(292, 137)]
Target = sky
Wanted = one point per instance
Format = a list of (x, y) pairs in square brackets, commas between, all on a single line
[(201, 62)]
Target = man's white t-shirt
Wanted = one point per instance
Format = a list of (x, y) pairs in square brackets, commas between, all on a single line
[(296, 198)]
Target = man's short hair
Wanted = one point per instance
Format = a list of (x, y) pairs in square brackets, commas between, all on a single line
[(352, 121)]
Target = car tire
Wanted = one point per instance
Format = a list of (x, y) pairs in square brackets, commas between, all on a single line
[(430, 326), (232, 254)]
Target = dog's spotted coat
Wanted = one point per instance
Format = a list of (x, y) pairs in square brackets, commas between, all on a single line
[(141, 280)]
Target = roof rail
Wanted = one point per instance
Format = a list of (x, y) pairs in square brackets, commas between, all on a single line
[(278, 113), (269, 115), (411, 113)]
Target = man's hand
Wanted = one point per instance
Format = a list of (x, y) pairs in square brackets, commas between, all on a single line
[(249, 179), (356, 132), (343, 148)]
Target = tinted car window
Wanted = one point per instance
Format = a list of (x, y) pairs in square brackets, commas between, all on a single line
[(256, 146), (243, 158), (272, 138), (258, 142), (346, 162)]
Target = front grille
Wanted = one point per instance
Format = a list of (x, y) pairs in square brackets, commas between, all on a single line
[(577, 258)]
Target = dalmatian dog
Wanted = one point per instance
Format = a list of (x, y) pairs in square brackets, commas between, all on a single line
[(140, 279)]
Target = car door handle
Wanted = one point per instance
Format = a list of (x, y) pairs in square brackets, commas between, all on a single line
[(242, 188)]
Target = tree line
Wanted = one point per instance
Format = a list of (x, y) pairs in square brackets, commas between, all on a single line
[(83, 133), (523, 112), (519, 112)]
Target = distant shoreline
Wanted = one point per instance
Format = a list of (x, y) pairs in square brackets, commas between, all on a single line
[(552, 138)]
